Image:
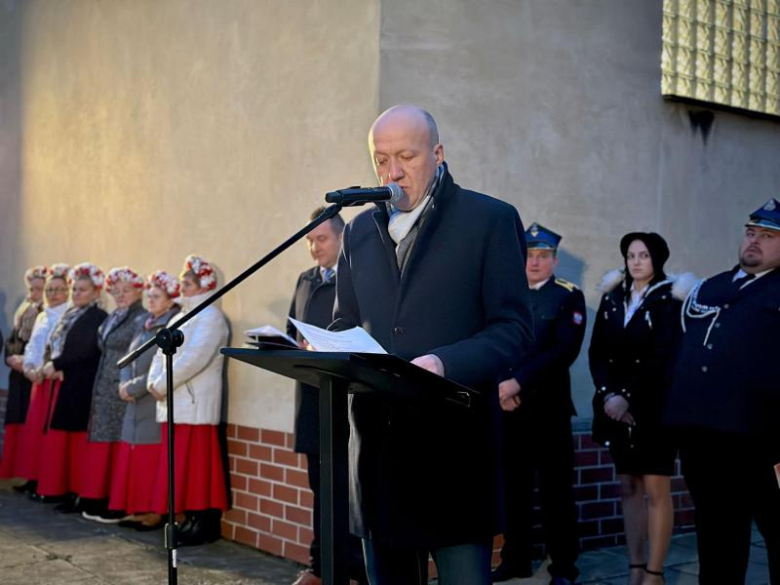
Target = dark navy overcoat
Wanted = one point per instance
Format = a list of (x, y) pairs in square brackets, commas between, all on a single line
[(426, 473)]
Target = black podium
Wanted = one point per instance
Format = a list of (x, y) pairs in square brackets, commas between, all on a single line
[(337, 375)]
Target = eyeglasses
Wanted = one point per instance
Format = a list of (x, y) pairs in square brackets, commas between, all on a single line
[(56, 289)]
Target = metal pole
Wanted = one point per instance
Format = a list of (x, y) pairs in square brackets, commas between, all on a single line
[(334, 465), (169, 341)]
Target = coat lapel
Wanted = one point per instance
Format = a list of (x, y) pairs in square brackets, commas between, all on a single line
[(427, 229), (132, 311), (381, 219)]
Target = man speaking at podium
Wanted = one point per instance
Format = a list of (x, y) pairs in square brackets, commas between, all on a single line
[(437, 279)]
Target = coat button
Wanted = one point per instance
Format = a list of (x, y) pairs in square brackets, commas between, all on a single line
[(704, 369), (637, 361), (726, 306), (717, 325), (398, 330), (709, 346)]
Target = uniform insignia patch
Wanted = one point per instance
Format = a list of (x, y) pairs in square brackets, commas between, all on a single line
[(770, 205), (577, 318), (534, 230)]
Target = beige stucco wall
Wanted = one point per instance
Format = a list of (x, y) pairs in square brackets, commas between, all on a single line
[(151, 129), (222, 123), (555, 106)]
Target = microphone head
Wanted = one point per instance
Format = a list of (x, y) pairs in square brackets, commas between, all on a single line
[(395, 192)]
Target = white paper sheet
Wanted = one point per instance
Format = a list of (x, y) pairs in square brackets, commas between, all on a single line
[(355, 340)]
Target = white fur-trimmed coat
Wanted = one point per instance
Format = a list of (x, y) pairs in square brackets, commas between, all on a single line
[(197, 368)]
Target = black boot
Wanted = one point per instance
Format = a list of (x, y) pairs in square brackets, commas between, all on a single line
[(26, 488), (200, 528), (90, 507), (36, 497), (505, 572), (70, 505), (97, 511)]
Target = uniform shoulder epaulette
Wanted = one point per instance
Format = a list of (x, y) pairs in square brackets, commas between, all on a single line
[(569, 286)]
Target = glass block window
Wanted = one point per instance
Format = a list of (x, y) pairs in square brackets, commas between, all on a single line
[(723, 52)]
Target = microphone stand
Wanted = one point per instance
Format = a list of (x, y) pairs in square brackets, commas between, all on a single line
[(169, 338)]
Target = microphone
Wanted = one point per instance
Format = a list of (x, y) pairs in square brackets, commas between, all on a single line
[(361, 195)]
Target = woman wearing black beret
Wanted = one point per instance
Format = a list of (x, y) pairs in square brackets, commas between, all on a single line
[(635, 335)]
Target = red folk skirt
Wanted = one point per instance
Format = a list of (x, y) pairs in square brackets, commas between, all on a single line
[(60, 458), (132, 485), (28, 455), (199, 478), (97, 468), (10, 461)]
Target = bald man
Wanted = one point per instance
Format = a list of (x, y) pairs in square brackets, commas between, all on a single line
[(438, 279)]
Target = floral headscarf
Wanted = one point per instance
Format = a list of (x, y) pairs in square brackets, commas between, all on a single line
[(123, 274), (59, 270), (87, 270), (202, 270), (167, 282), (35, 272)]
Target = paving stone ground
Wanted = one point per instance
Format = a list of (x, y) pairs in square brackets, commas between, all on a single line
[(609, 566), (39, 546)]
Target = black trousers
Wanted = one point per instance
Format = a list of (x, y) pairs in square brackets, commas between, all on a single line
[(313, 468), (540, 446), (732, 482), (464, 564), (356, 567)]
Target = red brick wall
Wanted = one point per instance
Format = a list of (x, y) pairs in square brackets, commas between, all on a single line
[(272, 501), (598, 496), (271, 498)]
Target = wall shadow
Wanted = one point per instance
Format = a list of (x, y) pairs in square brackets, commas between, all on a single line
[(11, 269), (572, 268)]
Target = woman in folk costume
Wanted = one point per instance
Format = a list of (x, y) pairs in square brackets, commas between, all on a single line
[(197, 401), (108, 409), (18, 385), (135, 472), (71, 362), (632, 350), (31, 438)]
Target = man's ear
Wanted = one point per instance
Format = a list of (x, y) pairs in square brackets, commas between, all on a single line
[(438, 152)]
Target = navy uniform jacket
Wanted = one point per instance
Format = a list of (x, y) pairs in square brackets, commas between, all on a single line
[(634, 361), (313, 304), (730, 381), (559, 328), (426, 473)]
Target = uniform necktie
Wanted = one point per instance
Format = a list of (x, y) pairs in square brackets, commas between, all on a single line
[(742, 280), (328, 274)]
